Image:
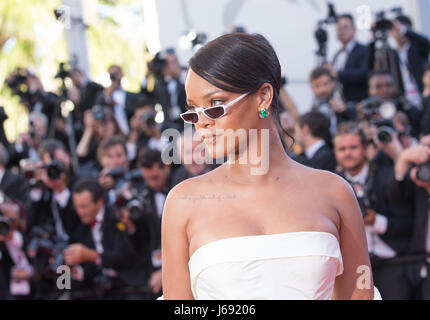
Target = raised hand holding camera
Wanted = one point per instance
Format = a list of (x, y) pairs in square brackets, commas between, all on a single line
[(417, 155)]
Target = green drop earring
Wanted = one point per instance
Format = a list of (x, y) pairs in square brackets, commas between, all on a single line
[(264, 113)]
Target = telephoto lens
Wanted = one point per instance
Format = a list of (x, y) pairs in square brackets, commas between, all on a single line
[(385, 134), (55, 169)]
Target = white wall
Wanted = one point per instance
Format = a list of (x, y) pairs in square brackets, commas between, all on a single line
[(288, 24)]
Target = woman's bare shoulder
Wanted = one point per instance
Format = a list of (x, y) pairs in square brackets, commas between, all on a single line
[(192, 185), (177, 198), (328, 181), (339, 192), (330, 185)]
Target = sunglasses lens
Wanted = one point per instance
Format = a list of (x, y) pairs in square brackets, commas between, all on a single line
[(214, 112), (190, 117)]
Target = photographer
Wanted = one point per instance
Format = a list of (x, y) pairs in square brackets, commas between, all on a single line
[(83, 93), (413, 51), (350, 62), (50, 200), (11, 184), (27, 143), (406, 64), (425, 122), (159, 180), (122, 102), (112, 156), (388, 224), (145, 131), (327, 99), (168, 87), (32, 94), (15, 270), (100, 250), (384, 100), (412, 186), (13, 193), (100, 124)]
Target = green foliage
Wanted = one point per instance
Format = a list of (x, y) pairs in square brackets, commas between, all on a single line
[(30, 37)]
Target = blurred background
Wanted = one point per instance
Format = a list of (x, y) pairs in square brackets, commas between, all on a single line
[(93, 34)]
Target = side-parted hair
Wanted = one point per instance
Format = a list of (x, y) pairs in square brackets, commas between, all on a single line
[(240, 63)]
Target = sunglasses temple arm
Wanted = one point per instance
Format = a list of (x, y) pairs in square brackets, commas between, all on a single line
[(235, 100)]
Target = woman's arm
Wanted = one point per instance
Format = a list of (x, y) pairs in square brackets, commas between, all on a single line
[(175, 246), (356, 281)]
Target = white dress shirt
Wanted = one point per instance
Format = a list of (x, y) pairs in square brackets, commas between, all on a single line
[(412, 92), (342, 57), (97, 231), (119, 97)]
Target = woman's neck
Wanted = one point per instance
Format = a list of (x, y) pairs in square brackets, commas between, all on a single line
[(261, 160)]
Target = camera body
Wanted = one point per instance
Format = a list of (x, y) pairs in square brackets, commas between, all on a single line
[(63, 71), (158, 63), (137, 202), (46, 245), (98, 112), (423, 173), (149, 118), (379, 108), (18, 83), (383, 19), (54, 169)]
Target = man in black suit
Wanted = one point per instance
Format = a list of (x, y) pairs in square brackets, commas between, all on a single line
[(413, 52), (408, 188), (328, 99), (50, 200), (350, 62), (425, 121), (313, 135), (83, 94), (11, 184), (100, 251), (6, 264), (121, 101), (159, 180), (388, 224), (169, 86)]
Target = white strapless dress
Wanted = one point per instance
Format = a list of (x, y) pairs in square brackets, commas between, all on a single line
[(288, 266)]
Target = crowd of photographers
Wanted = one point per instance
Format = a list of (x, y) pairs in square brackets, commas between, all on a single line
[(86, 188), (370, 123)]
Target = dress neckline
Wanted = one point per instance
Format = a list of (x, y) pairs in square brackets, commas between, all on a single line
[(258, 236)]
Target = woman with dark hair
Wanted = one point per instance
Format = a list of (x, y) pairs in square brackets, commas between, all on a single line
[(285, 232)]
